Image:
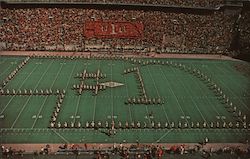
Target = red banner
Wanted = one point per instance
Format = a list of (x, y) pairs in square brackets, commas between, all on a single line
[(113, 29)]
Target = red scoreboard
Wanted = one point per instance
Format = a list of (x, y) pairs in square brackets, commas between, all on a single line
[(113, 29)]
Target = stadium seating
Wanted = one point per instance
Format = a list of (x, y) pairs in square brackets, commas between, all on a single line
[(64, 29)]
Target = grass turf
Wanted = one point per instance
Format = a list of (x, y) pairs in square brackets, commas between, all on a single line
[(187, 99)]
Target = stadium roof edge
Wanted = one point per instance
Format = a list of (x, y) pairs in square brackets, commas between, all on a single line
[(14, 3)]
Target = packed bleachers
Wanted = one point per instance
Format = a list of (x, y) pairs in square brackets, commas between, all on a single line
[(244, 29), (63, 29), (192, 3), (189, 3)]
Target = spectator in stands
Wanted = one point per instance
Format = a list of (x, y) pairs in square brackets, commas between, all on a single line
[(63, 29)]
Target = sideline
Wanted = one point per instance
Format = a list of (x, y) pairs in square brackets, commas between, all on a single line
[(142, 55)]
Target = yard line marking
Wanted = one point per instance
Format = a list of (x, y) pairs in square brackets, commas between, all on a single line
[(148, 117), (175, 96), (19, 88), (17, 72), (225, 130), (28, 101), (234, 81), (213, 106), (230, 90), (6, 68), (57, 76), (79, 98), (45, 72), (63, 138), (44, 101), (165, 113), (46, 96), (112, 103), (158, 94), (235, 96), (2, 62), (49, 88), (186, 90), (164, 135), (129, 108), (218, 114), (70, 77), (93, 118), (30, 96), (233, 93), (226, 73), (77, 106)]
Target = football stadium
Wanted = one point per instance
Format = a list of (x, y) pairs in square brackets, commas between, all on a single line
[(125, 79)]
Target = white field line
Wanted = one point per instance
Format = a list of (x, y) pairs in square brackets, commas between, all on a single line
[(163, 108), (45, 72), (77, 106), (31, 96), (63, 138), (2, 62), (192, 99), (214, 130), (234, 94), (174, 96), (236, 97), (129, 109), (213, 106), (236, 83), (67, 85), (44, 101), (19, 88), (148, 117), (70, 77), (164, 135), (46, 96), (112, 101), (93, 118), (27, 101), (56, 76), (79, 98), (6, 68)]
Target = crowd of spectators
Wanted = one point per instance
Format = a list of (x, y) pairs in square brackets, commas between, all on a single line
[(244, 29), (189, 3), (63, 29), (146, 151)]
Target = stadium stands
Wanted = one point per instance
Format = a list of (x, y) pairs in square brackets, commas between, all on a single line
[(191, 3), (63, 29), (166, 107), (244, 29)]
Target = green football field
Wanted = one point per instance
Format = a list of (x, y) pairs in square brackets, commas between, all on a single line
[(191, 107)]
